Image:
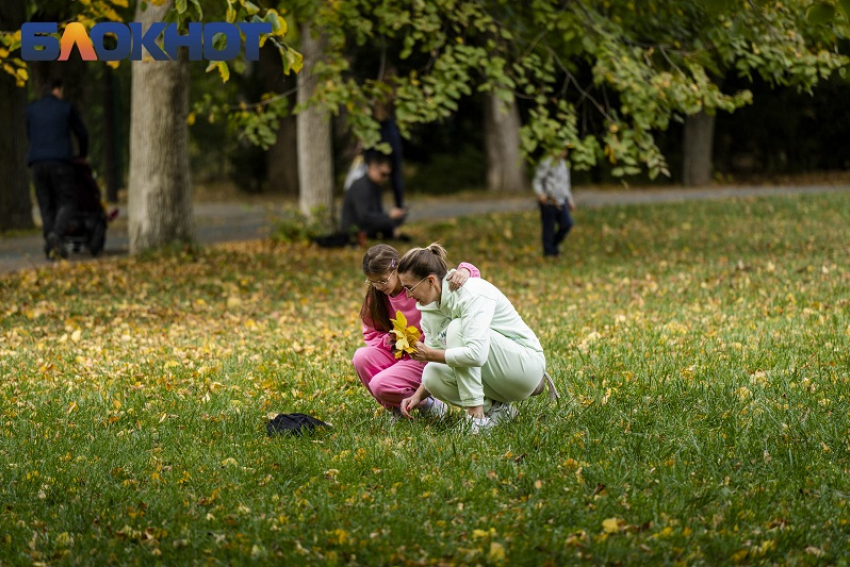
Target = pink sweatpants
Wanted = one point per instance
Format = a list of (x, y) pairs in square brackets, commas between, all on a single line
[(387, 379)]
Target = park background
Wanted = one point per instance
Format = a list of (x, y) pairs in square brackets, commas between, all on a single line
[(692, 94), (701, 347)]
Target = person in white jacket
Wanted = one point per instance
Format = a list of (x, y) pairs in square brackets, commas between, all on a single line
[(480, 354)]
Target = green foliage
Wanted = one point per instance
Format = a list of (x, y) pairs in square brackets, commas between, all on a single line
[(296, 228), (14, 66), (704, 419), (650, 62), (821, 12), (601, 79)]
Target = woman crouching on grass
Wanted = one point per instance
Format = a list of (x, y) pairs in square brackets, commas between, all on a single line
[(387, 378), (481, 355)]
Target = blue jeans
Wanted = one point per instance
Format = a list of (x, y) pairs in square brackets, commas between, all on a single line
[(550, 216)]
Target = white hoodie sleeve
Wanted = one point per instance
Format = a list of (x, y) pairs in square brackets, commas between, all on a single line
[(476, 314)]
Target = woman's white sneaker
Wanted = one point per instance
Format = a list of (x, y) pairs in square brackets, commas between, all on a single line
[(479, 424), (434, 408), (501, 412)]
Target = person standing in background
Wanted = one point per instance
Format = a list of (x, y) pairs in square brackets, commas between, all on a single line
[(554, 195), (50, 122)]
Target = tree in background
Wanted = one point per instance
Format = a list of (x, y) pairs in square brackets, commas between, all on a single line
[(505, 164), (159, 191), (160, 185), (15, 206), (600, 78), (684, 52), (315, 162)]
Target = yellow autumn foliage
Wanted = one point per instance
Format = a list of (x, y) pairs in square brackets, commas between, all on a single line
[(406, 335)]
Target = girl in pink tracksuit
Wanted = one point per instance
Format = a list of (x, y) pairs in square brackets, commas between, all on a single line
[(388, 379)]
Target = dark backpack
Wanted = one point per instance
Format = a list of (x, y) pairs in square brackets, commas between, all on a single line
[(294, 424), (335, 240)]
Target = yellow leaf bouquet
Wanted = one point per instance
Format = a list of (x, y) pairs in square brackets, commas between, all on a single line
[(406, 336)]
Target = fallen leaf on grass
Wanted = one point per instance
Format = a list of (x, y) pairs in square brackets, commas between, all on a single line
[(613, 525), (497, 552)]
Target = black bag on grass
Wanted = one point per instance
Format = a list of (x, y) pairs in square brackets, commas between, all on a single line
[(294, 424), (335, 240)]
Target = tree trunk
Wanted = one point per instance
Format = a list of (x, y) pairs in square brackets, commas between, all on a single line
[(315, 162), (160, 187), (505, 166), (282, 170), (697, 149), (15, 203)]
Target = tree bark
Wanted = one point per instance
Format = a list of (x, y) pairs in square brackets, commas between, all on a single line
[(160, 187), (505, 166), (315, 161), (698, 142), (15, 202), (282, 170)]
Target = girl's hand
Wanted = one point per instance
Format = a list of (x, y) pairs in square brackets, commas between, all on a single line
[(389, 342), (457, 278)]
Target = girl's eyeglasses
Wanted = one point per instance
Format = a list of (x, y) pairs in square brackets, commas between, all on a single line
[(380, 283)]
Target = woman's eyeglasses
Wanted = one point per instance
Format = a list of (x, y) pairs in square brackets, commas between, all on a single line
[(409, 289), (379, 283)]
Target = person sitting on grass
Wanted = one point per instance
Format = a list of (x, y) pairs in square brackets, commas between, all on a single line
[(387, 378), (480, 354), (362, 208)]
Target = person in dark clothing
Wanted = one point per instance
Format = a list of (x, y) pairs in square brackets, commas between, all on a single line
[(384, 113), (390, 135), (50, 123), (362, 209)]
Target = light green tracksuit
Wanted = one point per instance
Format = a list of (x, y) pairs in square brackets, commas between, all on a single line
[(491, 354)]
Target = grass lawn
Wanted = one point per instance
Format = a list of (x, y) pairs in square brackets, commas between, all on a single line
[(701, 348)]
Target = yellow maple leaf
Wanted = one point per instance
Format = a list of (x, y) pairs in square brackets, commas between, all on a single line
[(612, 525), (406, 335)]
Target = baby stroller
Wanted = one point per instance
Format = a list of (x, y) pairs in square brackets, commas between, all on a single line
[(88, 226)]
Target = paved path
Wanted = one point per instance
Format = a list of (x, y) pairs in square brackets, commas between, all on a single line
[(222, 222)]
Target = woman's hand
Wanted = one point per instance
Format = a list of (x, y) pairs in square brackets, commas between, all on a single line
[(410, 404), (421, 353), (457, 278), (427, 354)]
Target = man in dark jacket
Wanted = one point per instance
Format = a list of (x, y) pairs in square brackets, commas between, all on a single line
[(50, 122), (362, 209)]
